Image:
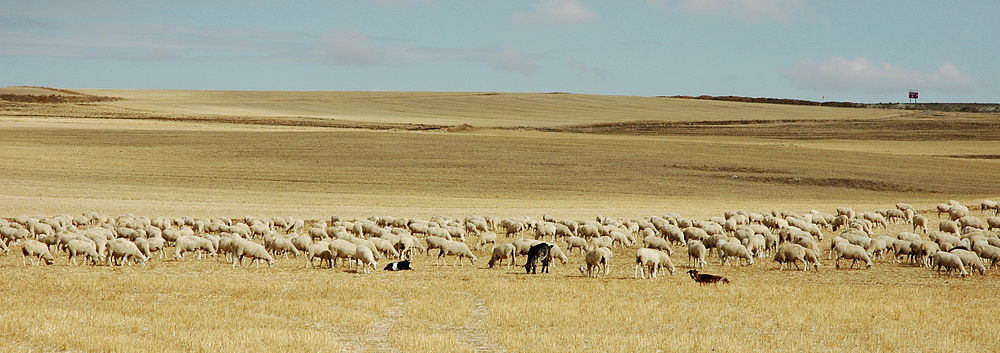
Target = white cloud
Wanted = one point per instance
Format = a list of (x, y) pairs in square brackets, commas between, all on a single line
[(352, 48), (557, 12), (780, 10), (584, 69), (863, 74)]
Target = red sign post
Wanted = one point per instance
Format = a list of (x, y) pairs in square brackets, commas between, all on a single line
[(914, 95)]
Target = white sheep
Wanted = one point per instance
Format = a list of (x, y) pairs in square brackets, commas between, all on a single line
[(487, 238), (556, 253), (575, 242), (949, 262), (342, 249), (457, 248), (31, 249), (655, 242), (848, 251), (596, 258), (189, 243), (249, 249), (789, 252), (970, 260), (365, 258), (646, 258), (124, 252), (920, 222), (734, 249), (696, 252), (85, 247), (502, 252)]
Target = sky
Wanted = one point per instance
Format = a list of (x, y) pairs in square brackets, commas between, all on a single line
[(845, 50)]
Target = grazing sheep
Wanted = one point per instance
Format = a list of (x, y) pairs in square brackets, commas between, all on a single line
[(556, 253), (435, 242), (970, 260), (321, 251), (987, 252), (920, 222), (249, 249), (949, 262), (189, 243), (84, 247), (654, 242), (457, 248), (696, 234), (734, 249), (365, 258), (124, 252), (646, 258), (575, 242), (502, 252), (486, 238), (282, 245), (342, 249), (696, 252), (792, 253), (601, 242), (538, 253), (971, 221), (852, 252), (993, 222), (31, 249), (594, 260)]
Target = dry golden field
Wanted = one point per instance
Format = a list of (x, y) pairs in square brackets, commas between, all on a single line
[(356, 154)]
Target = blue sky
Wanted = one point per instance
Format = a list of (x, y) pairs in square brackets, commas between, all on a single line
[(869, 51)]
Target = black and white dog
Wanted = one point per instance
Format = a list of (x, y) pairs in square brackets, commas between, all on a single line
[(398, 266)]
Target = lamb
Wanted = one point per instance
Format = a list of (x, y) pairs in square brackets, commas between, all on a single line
[(734, 249), (970, 260), (365, 258), (594, 260), (123, 251), (189, 243), (452, 247), (852, 252), (949, 262), (538, 253), (503, 252), (84, 247), (256, 253), (696, 252), (31, 249)]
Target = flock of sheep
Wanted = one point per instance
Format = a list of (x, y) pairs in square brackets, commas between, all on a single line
[(962, 244)]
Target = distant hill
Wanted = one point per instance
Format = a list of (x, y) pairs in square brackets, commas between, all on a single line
[(944, 107)]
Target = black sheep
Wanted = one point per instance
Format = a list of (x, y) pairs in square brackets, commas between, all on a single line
[(538, 253), (704, 278)]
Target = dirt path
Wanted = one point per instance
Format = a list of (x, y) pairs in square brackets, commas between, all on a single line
[(474, 332)]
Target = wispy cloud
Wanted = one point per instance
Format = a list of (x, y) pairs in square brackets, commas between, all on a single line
[(352, 48), (863, 74), (401, 3), (557, 12), (586, 70), (778, 10)]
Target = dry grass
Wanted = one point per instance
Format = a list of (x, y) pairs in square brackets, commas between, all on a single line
[(236, 153)]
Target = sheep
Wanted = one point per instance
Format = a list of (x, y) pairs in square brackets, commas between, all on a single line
[(949, 262), (452, 247), (971, 221), (654, 242), (970, 260), (852, 252), (487, 238), (124, 252), (502, 252), (900, 247), (189, 243), (343, 249), (538, 253), (556, 253), (365, 258), (987, 252), (648, 258), (31, 249), (812, 257), (575, 242), (256, 252), (993, 222), (282, 245), (793, 253), (84, 247), (618, 237), (321, 251), (602, 241), (596, 258), (734, 249), (920, 222), (695, 233), (385, 247), (696, 252), (435, 242)]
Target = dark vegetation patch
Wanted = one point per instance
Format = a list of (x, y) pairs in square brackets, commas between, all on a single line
[(862, 184)]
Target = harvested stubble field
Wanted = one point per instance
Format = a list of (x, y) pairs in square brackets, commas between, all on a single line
[(314, 154)]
